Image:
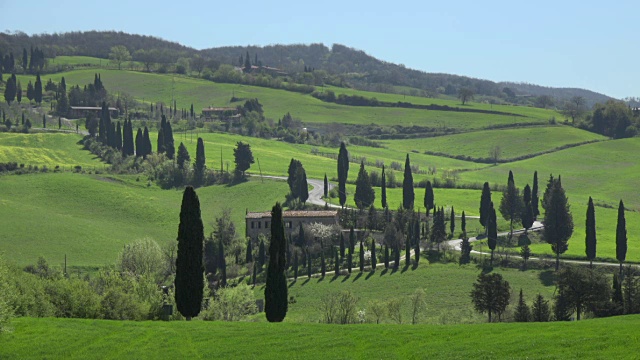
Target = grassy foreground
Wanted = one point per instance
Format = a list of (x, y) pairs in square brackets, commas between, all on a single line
[(611, 338)]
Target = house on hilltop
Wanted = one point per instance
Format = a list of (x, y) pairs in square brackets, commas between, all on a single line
[(260, 222), (78, 112), (219, 112)]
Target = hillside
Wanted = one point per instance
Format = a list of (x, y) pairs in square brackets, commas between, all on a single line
[(610, 338), (523, 89)]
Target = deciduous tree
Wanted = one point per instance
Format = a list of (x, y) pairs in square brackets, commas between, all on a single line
[(490, 294)]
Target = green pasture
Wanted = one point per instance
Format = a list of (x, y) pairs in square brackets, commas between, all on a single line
[(90, 217), (46, 149), (447, 288), (513, 143), (609, 338), (151, 87)]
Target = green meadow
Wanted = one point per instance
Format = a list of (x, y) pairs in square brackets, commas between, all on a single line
[(607, 338), (45, 149), (90, 217)]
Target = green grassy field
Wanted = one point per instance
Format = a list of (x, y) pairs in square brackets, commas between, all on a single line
[(611, 338), (447, 288), (46, 149), (513, 142), (202, 93), (90, 217)]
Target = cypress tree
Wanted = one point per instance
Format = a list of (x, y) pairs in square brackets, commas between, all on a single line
[(527, 216), (326, 186), (540, 309), (147, 142), (37, 91), (343, 172), (352, 240), (275, 292), (183, 156), (342, 248), (522, 313), (118, 136), (492, 227), (465, 251), (452, 222), (336, 264), (261, 255), (408, 194), (349, 261), (485, 200), (59, 122), (374, 258), (386, 256), (364, 195), (417, 251), (407, 250), (428, 197), (249, 255), (621, 236), (44, 121), (463, 224), (590, 237), (139, 143), (160, 143), (558, 221), (302, 187), (383, 189), (189, 279), (535, 200), (222, 263), (30, 90), (19, 93), (361, 257), (199, 164), (396, 263), (511, 203), (10, 90), (169, 144)]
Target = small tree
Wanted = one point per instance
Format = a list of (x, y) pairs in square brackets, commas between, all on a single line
[(343, 171), (465, 251), (243, 157), (490, 294), (364, 195), (119, 54), (525, 254), (511, 204), (326, 186), (522, 313), (465, 95), (418, 305), (540, 309), (199, 164)]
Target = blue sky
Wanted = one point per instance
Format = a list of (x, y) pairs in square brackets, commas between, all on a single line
[(587, 44)]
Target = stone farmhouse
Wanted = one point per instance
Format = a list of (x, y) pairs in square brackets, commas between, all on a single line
[(260, 222)]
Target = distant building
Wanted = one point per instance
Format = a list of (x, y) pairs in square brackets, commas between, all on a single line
[(265, 70), (260, 222), (219, 112), (78, 112)]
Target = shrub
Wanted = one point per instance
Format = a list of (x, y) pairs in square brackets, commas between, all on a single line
[(232, 304), (141, 258), (339, 308)]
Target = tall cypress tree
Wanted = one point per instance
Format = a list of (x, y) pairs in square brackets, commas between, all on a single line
[(352, 240), (558, 221), (383, 189), (343, 172), (361, 257), (147, 142), (323, 268), (342, 247), (275, 292), (37, 91), (160, 143), (428, 197), (295, 266), (169, 144), (463, 225), (485, 201), (349, 261), (621, 236), (492, 227), (408, 194), (386, 256), (261, 255), (511, 203), (527, 216), (374, 259), (590, 231), (199, 164), (189, 280), (183, 156), (535, 200), (452, 222), (118, 139), (139, 143), (396, 263), (326, 186)]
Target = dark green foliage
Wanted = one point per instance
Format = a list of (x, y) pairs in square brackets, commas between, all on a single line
[(386, 256), (582, 289), (364, 195), (540, 309), (525, 253), (407, 250), (511, 203), (308, 264), (465, 251), (44, 121), (438, 232), (301, 185), (492, 230), (300, 239), (139, 143), (243, 157), (490, 294), (352, 240), (558, 221), (590, 232), (527, 216), (19, 92), (621, 236), (326, 186), (343, 172), (249, 254), (485, 201), (396, 251), (429, 199), (374, 259), (617, 298), (349, 262), (261, 255), (361, 257), (118, 139), (342, 248), (147, 142), (189, 281), (408, 194), (336, 263), (30, 90), (417, 252), (276, 291), (452, 222), (522, 312), (295, 266), (383, 189), (222, 263), (128, 148), (463, 224), (183, 156), (199, 164), (10, 90), (37, 91), (535, 199), (291, 178)]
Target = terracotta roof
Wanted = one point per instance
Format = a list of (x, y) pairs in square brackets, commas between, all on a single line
[(90, 108), (294, 213), (219, 109)]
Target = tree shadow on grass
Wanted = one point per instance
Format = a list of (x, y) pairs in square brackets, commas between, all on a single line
[(404, 268), (414, 266), (384, 272), (334, 277), (320, 279), (305, 282), (293, 283), (393, 270), (547, 277), (358, 276), (370, 274), (346, 277)]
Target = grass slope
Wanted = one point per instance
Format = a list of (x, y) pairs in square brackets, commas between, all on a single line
[(611, 338), (186, 90), (45, 149), (90, 217)]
